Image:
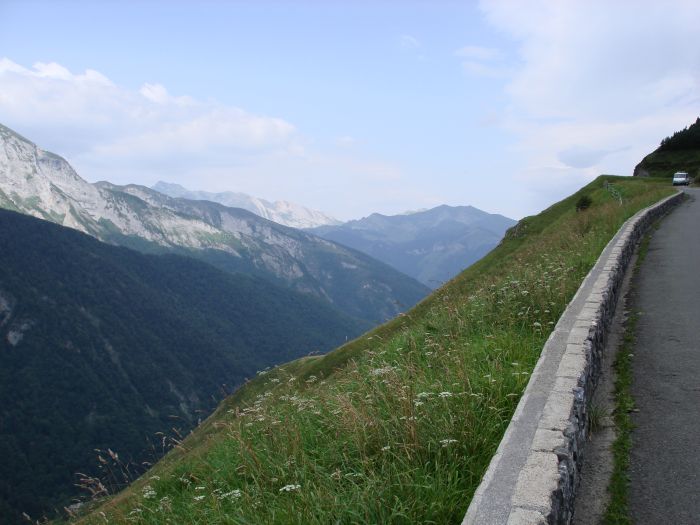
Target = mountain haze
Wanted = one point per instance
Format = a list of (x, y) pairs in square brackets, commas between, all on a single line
[(282, 212), (42, 184), (102, 347), (431, 245)]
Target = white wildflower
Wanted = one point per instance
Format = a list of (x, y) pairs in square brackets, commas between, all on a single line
[(234, 494), (447, 442), (164, 504), (199, 498), (148, 492), (290, 488), (445, 394)]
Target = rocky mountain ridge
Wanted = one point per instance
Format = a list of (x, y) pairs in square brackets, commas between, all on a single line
[(282, 212), (42, 184)]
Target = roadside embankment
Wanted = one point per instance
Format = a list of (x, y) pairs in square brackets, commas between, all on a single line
[(533, 476)]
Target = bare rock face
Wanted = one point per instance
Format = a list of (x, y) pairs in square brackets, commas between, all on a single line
[(640, 172), (281, 212)]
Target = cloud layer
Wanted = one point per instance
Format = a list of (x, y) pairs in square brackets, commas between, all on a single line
[(109, 132), (96, 123), (596, 84)]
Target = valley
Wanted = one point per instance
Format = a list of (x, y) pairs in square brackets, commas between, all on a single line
[(102, 347)]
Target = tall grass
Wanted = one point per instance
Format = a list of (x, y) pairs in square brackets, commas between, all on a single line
[(399, 425)]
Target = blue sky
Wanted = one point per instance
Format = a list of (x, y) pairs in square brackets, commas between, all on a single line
[(352, 107)]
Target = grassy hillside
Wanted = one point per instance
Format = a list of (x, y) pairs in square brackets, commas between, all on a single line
[(679, 152), (102, 347), (399, 425)]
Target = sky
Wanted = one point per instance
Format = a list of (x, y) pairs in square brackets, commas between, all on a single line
[(353, 107)]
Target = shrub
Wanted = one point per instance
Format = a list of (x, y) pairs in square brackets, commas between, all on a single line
[(583, 203)]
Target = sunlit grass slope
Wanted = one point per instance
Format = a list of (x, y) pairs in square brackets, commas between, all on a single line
[(399, 425)]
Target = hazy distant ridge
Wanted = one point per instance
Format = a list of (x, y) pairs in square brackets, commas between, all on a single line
[(282, 212), (432, 245)]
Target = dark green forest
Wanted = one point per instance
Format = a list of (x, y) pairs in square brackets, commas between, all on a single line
[(101, 347), (677, 152), (687, 138)]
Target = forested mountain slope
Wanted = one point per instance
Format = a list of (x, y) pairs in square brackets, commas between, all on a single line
[(102, 347), (679, 152)]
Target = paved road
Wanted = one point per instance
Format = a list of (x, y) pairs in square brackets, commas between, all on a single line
[(665, 460)]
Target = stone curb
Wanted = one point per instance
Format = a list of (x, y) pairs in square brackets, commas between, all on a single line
[(533, 477)]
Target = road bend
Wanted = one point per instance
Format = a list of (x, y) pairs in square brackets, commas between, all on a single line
[(665, 458)]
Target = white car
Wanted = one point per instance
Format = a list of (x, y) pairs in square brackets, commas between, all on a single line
[(680, 178)]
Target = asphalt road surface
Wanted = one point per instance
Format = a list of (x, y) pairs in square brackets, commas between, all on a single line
[(665, 459)]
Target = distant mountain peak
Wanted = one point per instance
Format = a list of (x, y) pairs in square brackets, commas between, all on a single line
[(282, 212), (430, 245)]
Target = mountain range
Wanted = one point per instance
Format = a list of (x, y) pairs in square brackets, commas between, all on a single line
[(431, 246), (42, 184), (282, 212)]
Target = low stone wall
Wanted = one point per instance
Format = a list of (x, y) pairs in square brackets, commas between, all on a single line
[(533, 476)]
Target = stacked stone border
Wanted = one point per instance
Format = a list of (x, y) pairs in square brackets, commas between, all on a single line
[(533, 477)]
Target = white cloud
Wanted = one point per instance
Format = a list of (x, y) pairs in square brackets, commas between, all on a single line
[(582, 157), (409, 42), (346, 141), (479, 69), (109, 132), (89, 119), (479, 53), (598, 84), (482, 61)]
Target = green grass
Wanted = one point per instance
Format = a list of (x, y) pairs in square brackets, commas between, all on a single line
[(399, 425)]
